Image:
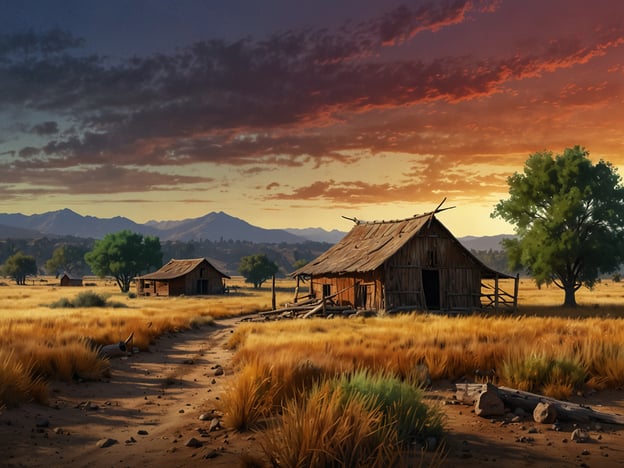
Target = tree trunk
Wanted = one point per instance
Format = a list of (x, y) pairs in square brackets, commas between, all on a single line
[(570, 296)]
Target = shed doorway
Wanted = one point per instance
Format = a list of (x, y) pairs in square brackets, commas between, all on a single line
[(202, 286), (431, 288)]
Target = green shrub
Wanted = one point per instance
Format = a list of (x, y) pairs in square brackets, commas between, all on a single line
[(89, 299), (86, 299), (356, 420), (401, 403)]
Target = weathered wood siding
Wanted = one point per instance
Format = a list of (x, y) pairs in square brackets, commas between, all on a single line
[(358, 290), (202, 280), (432, 271)]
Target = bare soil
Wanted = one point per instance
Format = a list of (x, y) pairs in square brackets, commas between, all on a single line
[(152, 403)]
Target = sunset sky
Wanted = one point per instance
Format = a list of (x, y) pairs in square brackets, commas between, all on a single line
[(295, 113)]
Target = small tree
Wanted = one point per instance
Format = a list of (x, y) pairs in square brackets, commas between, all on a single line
[(569, 220), (257, 269), (66, 258), (124, 255), (19, 266)]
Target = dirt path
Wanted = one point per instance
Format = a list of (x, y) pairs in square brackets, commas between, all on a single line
[(153, 402)]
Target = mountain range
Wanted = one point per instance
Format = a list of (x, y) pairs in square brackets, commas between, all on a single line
[(214, 226)]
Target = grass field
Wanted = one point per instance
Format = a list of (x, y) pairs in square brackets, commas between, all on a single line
[(544, 347)]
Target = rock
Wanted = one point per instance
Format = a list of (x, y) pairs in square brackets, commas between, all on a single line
[(545, 413), (103, 443), (218, 371), (215, 424), (142, 432), (489, 404), (205, 417), (580, 436), (193, 442)]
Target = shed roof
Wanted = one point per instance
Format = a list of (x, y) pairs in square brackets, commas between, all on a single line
[(369, 244), (176, 268)]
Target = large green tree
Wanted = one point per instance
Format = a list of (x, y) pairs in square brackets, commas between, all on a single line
[(18, 266), (257, 269), (67, 258), (568, 215), (124, 255)]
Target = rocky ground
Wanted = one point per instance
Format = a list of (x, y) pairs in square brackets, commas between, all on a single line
[(162, 408)]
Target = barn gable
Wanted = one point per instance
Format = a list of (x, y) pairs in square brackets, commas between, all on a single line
[(399, 265), (189, 277)]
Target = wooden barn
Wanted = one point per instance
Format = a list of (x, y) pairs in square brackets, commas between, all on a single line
[(410, 264), (70, 280), (189, 277)]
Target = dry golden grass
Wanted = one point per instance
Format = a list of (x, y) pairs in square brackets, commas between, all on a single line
[(40, 343), (44, 343), (577, 346)]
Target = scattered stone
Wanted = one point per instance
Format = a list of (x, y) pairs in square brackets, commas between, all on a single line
[(545, 413), (58, 430), (215, 424), (213, 382), (131, 440), (489, 404), (533, 430), (142, 432), (212, 454), (218, 371), (205, 417), (103, 443), (580, 436), (181, 411), (193, 443)]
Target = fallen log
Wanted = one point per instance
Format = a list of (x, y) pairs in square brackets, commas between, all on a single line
[(565, 410), (318, 308), (468, 393)]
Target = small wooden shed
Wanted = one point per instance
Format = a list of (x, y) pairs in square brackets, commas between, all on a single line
[(409, 264), (196, 276), (70, 280)]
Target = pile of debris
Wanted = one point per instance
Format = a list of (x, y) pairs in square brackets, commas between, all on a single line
[(325, 307), (490, 401)]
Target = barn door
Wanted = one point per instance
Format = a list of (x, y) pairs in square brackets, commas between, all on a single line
[(431, 288)]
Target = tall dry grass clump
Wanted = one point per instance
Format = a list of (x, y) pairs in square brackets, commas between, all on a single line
[(359, 420), (17, 382)]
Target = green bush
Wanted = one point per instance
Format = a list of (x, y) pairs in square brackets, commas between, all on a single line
[(86, 299), (401, 403), (89, 299)]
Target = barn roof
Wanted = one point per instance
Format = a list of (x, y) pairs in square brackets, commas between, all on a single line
[(176, 268), (369, 244)]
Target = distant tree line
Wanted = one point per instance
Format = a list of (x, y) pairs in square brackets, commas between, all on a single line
[(58, 255)]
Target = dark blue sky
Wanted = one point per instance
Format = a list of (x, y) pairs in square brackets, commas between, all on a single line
[(292, 114)]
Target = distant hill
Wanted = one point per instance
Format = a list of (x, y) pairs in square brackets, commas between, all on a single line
[(12, 232), (214, 226), (318, 234), (220, 226), (484, 242)]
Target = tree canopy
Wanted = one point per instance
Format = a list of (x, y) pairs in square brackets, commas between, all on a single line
[(257, 269), (67, 258), (124, 255), (19, 265), (568, 219)]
